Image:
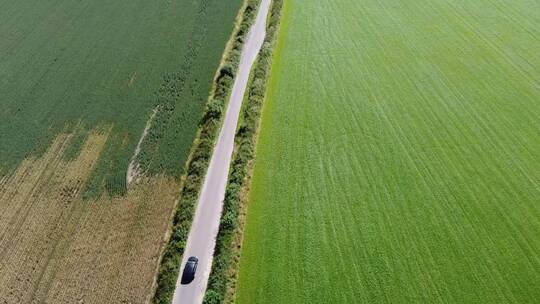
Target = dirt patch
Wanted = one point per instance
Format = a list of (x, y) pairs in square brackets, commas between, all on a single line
[(133, 171), (132, 79), (57, 248)]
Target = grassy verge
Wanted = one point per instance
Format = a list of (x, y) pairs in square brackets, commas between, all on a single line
[(222, 279), (201, 154)]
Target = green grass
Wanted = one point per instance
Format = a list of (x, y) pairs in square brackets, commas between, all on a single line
[(108, 63), (399, 156)]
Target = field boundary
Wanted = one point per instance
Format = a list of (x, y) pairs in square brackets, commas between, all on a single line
[(224, 274), (199, 158)]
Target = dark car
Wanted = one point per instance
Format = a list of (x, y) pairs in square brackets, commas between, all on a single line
[(189, 270)]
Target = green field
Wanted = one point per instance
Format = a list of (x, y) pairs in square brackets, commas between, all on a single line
[(399, 156), (71, 65), (78, 82)]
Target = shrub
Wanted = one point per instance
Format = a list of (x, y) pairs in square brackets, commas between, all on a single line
[(224, 267), (197, 165), (212, 297)]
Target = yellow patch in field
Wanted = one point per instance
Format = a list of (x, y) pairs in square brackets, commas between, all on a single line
[(56, 247)]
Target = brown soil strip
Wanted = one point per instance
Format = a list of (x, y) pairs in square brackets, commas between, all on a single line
[(133, 169)]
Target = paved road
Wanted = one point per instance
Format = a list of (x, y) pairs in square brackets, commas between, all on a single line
[(202, 237)]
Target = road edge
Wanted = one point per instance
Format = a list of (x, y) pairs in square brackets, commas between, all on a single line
[(224, 274), (199, 158)]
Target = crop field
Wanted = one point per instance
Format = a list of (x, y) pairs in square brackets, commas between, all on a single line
[(65, 63), (399, 156), (79, 82)]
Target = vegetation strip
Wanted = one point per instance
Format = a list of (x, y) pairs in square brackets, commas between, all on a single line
[(222, 279), (78, 83), (200, 157), (109, 68)]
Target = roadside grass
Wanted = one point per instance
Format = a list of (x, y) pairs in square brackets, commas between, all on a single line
[(102, 62), (399, 156), (222, 280)]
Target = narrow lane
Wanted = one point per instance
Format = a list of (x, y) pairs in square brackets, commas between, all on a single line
[(202, 237)]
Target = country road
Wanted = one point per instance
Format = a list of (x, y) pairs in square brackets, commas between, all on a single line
[(202, 237)]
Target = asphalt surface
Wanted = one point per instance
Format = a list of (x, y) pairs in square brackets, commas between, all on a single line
[(202, 236)]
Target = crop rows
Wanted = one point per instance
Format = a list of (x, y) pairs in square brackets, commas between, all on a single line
[(399, 156), (200, 156), (68, 64)]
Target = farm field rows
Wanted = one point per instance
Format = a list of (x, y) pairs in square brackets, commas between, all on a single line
[(78, 83), (56, 247), (399, 156), (65, 63)]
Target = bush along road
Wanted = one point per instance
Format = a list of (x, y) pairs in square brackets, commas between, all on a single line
[(202, 236), (222, 281)]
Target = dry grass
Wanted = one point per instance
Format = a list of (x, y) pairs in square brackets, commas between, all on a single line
[(57, 248)]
